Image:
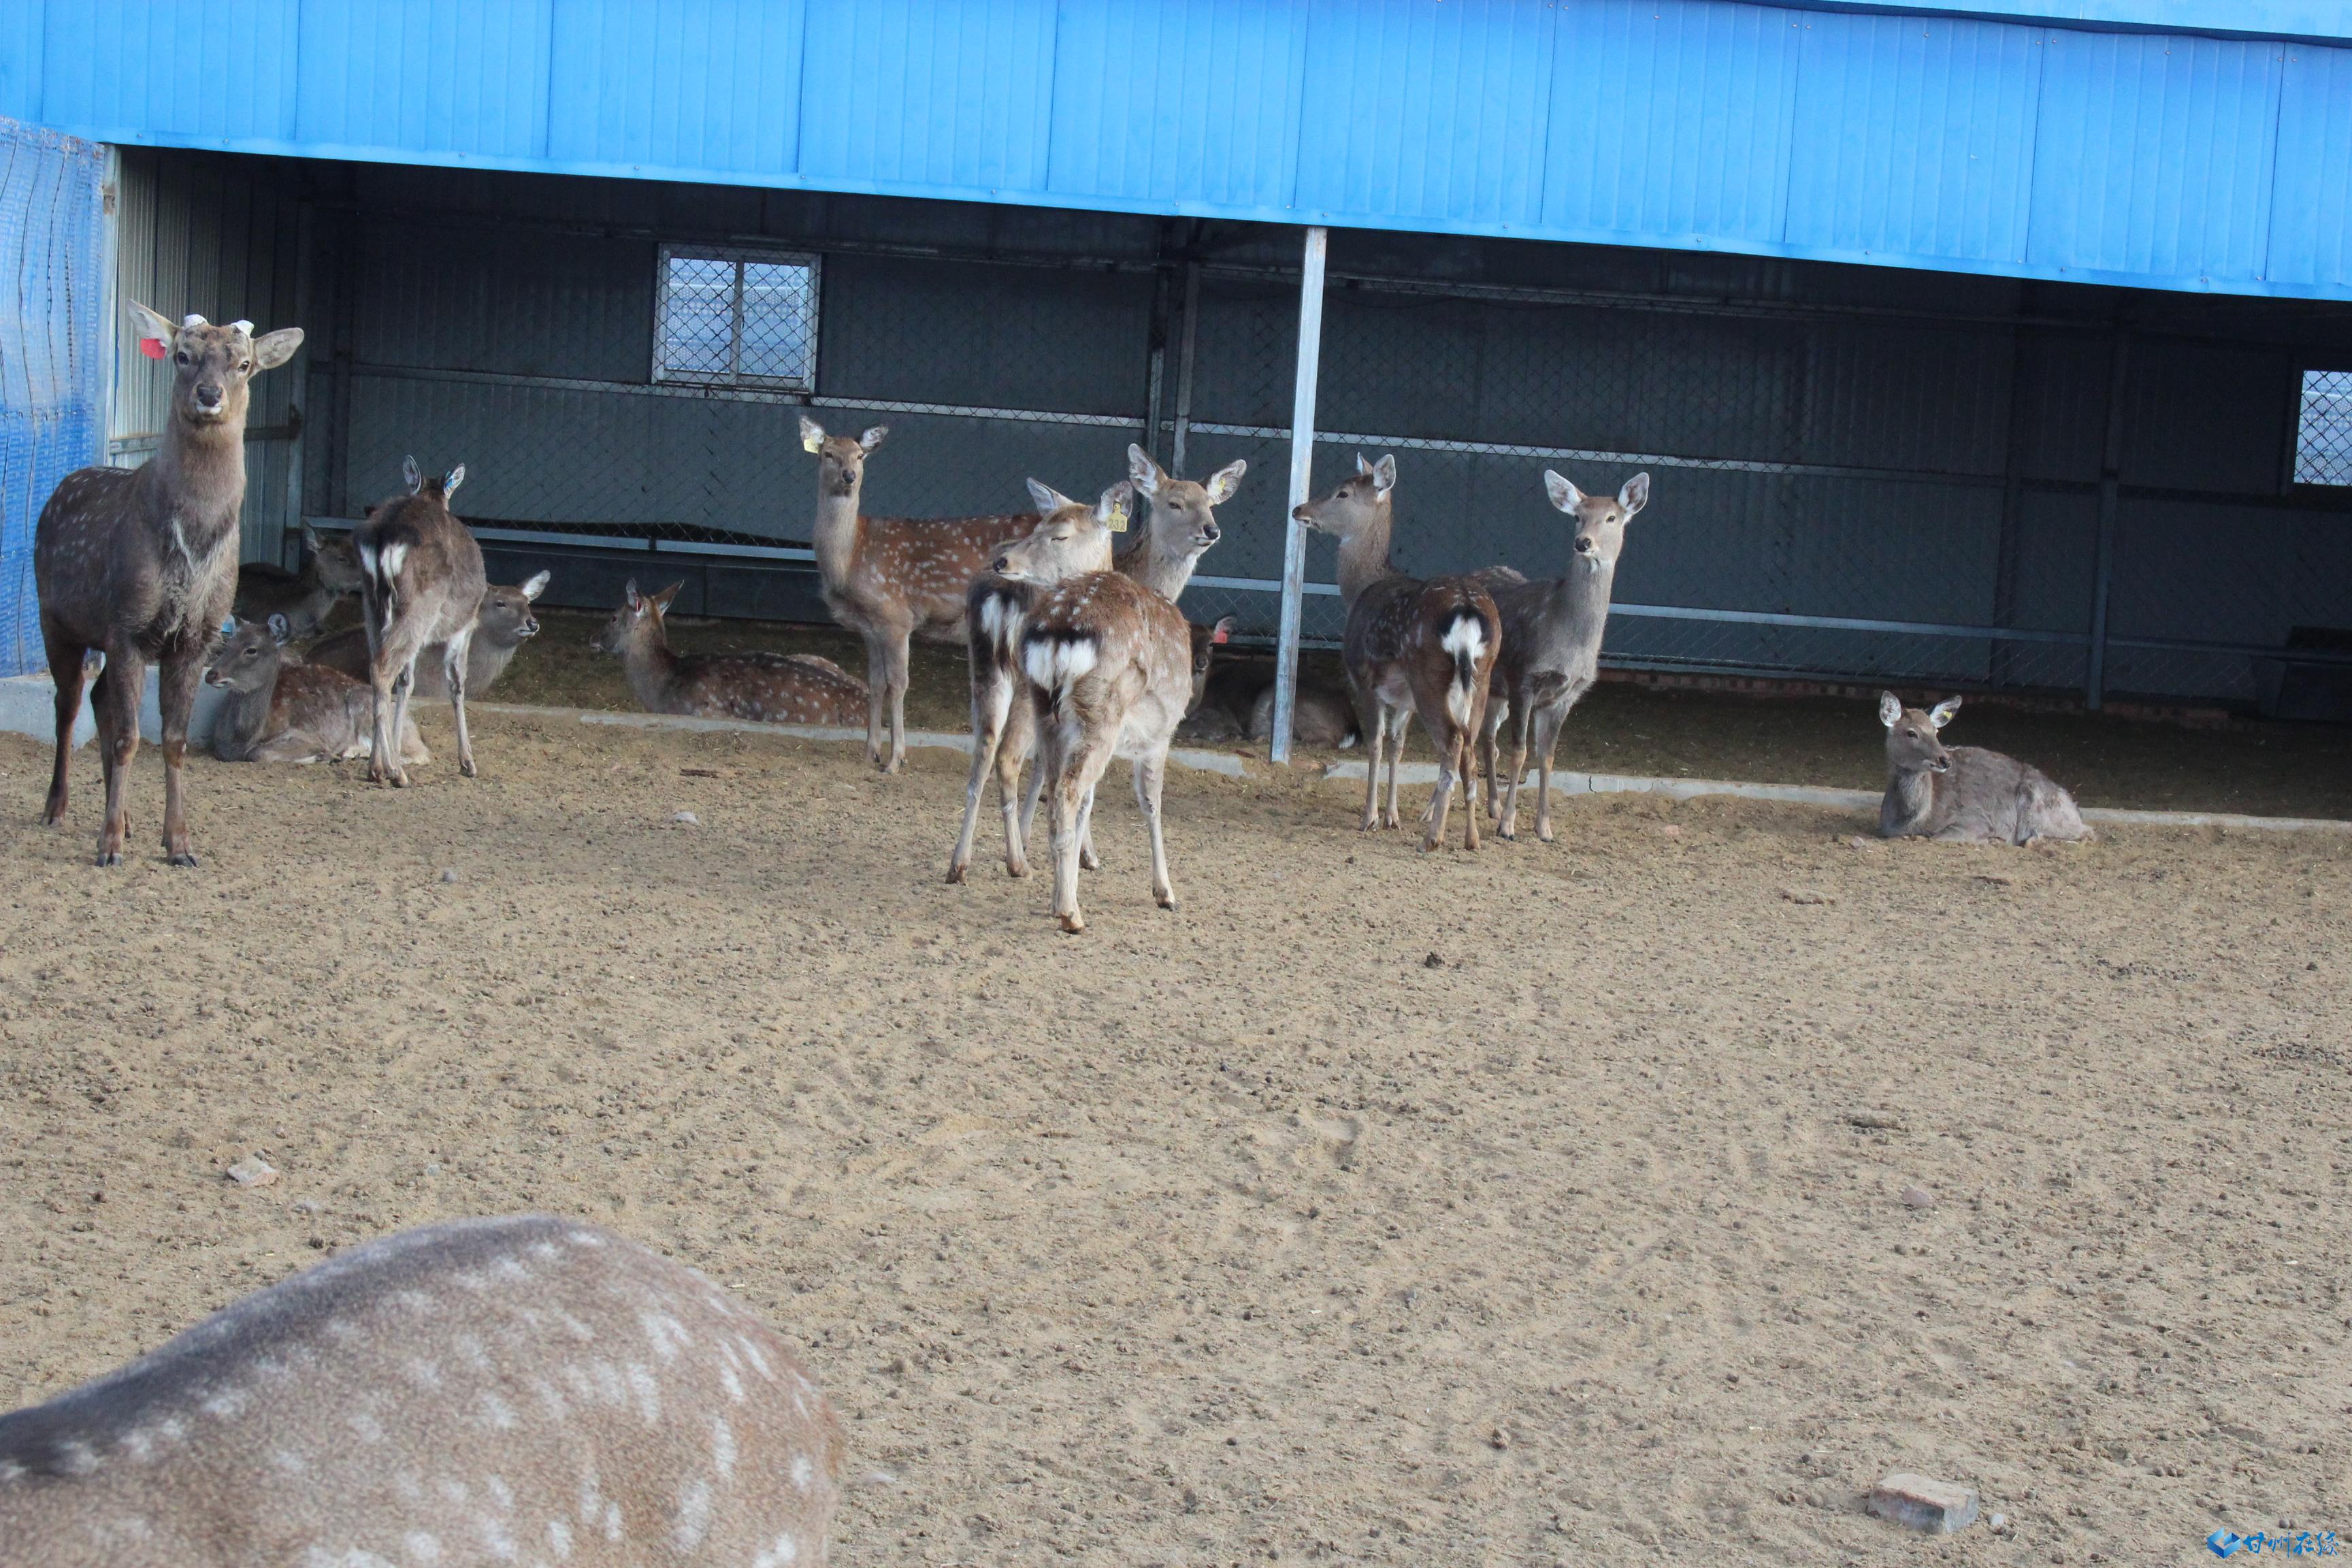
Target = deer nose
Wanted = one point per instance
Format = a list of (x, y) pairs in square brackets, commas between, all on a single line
[(1299, 514), (209, 397), (1210, 531), (1001, 564), (1583, 544)]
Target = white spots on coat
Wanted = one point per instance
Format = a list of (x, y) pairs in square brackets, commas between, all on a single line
[(342, 1331), (591, 1498), (731, 1384), (693, 1521), (584, 1238), (452, 1490), (287, 1462), (227, 1404), (613, 1522), (550, 1401), (497, 1413), (421, 1546), (76, 1458), (545, 1251), (409, 1485), (416, 1302), (667, 1334), (756, 1357), (495, 1538), (803, 1472), (470, 1350), (424, 1374), (364, 1426), (559, 1539), (648, 1393), (722, 1446), (575, 1328), (501, 1493), (785, 1550)]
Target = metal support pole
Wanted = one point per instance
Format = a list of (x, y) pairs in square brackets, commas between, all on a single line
[(1302, 469), (109, 337), (1184, 368), (2111, 464)]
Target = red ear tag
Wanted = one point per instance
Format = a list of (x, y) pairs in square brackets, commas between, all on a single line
[(151, 347), (1218, 636)]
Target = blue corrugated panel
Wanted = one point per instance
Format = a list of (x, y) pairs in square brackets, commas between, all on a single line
[(439, 76), (902, 94), (678, 84), (2311, 210), (202, 70)]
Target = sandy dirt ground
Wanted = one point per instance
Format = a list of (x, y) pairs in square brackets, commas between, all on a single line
[(1544, 1206)]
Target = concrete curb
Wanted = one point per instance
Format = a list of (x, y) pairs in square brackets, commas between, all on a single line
[(28, 706)]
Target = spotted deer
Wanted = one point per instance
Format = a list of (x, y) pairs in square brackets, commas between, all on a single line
[(501, 627), (278, 707), (1964, 794), (516, 1390), (140, 564), (329, 571), (421, 586), (890, 579), (1070, 536), (764, 687), (1552, 645), (1411, 646)]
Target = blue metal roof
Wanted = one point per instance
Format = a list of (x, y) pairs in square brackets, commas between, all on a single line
[(2101, 150)]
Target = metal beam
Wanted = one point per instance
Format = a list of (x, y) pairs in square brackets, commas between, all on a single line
[(1184, 368), (2111, 463), (1302, 469)]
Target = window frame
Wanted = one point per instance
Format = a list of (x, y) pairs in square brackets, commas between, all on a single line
[(2339, 364), (735, 377)]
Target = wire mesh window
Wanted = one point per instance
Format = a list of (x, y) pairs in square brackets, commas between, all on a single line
[(2323, 444), (735, 318)]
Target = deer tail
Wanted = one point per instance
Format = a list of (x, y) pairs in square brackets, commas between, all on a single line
[(1467, 638), (382, 562)]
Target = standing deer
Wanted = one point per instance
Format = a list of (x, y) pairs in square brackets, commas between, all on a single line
[(1070, 536), (764, 687), (1964, 794), (330, 571), (1551, 644), (422, 582), (281, 709), (502, 625), (141, 563), (479, 1390), (892, 578), (1411, 646)]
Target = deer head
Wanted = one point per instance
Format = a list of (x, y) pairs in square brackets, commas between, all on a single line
[(211, 365), (1183, 512), (840, 461), (334, 561), (1601, 520), (637, 621), (1206, 641), (1357, 502), (248, 658), (1913, 742), (1070, 536), (506, 619)]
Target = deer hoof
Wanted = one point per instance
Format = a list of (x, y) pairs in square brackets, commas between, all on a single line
[(109, 857), (1544, 834), (1168, 901), (955, 876), (184, 857), (1074, 924), (465, 767), (1016, 868), (1088, 862)]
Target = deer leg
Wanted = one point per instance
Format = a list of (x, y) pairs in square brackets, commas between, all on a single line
[(1073, 788), (175, 691), (66, 667), (1490, 737), (991, 699), (877, 689), (897, 705), (117, 702), (1402, 722), (1468, 742), (391, 661), (1521, 720), (1151, 775), (1450, 750), (1373, 742), (1547, 743), (1088, 859), (453, 670), (1012, 750)]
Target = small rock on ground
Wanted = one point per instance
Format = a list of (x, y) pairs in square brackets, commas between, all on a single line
[(253, 1172), (1919, 1502), (688, 818)]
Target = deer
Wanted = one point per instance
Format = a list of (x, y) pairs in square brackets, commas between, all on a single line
[(330, 571), (140, 564), (1965, 794), (1184, 522), (1320, 716), (1410, 647), (764, 687), (421, 584), (1552, 645), (503, 623), (1070, 536), (280, 708), (518, 1389), (890, 579)]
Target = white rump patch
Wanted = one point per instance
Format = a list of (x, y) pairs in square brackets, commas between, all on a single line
[(1466, 635), (1057, 665), (394, 555)]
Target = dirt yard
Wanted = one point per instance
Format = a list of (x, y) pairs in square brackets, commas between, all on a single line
[(1545, 1205)]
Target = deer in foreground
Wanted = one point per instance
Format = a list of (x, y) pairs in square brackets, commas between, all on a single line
[(892, 578), (503, 625), (1411, 646), (526, 1389), (141, 563), (1070, 536), (1964, 793), (764, 687), (281, 709), (421, 584), (1551, 644), (330, 571)]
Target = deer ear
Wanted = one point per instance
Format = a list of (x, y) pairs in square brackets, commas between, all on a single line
[(812, 434), (1384, 473), (1565, 496), (1146, 473), (1049, 499), (275, 348), (1225, 481), (1941, 713), (661, 600), (872, 438), (1890, 709), (280, 629), (414, 475), (1111, 510), (152, 328), (451, 480), (535, 587), (1222, 631), (1361, 465), (1635, 495), (309, 539), (631, 599)]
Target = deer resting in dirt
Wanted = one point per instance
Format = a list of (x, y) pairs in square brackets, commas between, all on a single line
[(475, 1392), (280, 708), (764, 687), (140, 564), (1964, 794), (889, 579), (1551, 644), (330, 571), (1411, 646), (503, 625), (421, 586)]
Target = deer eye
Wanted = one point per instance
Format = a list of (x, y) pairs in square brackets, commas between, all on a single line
[(245, 365), (183, 356), (1913, 733)]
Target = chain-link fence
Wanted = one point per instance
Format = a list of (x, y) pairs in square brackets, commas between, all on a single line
[(52, 341)]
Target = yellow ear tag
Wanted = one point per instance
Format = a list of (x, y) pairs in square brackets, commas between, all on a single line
[(811, 444), (1117, 523)]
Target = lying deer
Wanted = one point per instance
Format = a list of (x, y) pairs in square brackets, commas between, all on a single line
[(478, 1391), (421, 584), (1070, 536), (892, 578), (1551, 644), (330, 571), (141, 563), (1411, 646), (764, 687), (1964, 793), (281, 709), (503, 625)]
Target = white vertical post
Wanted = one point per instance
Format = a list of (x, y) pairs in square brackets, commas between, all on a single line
[(1302, 469)]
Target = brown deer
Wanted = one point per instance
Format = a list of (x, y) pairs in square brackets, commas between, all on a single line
[(330, 571), (892, 578), (1070, 536), (1184, 522), (140, 564), (421, 584), (1964, 794), (479, 1390), (1411, 646), (503, 625), (764, 687), (1551, 644), (281, 709), (1111, 669)]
